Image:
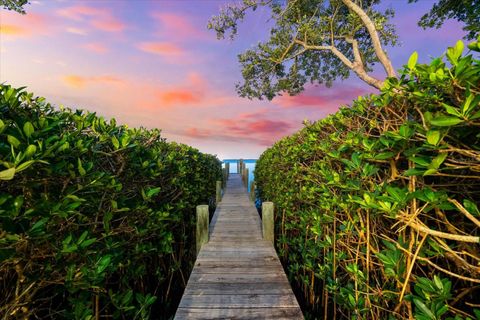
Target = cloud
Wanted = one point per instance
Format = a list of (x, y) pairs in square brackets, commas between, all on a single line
[(95, 47), (322, 98), (180, 26), (12, 30), (255, 127), (28, 25), (179, 96), (198, 133), (77, 81), (161, 48), (98, 18), (78, 31)]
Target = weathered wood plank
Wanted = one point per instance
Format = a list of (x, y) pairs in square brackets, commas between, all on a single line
[(240, 314), (229, 301)]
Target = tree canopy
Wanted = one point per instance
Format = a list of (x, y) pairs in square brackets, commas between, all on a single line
[(467, 11), (15, 5), (312, 41)]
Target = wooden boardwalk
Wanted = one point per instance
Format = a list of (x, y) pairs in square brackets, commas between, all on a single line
[(237, 274)]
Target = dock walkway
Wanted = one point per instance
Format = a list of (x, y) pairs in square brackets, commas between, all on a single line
[(237, 274)]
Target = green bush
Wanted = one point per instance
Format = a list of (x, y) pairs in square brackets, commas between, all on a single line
[(95, 219), (377, 205)]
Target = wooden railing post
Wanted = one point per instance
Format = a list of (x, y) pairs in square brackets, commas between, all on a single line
[(246, 178), (218, 197), (241, 166), (252, 191), (267, 221), (202, 226), (227, 167), (224, 177)]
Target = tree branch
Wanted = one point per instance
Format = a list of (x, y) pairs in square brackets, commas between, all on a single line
[(377, 45)]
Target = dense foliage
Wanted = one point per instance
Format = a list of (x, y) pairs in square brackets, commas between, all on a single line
[(377, 205), (96, 220)]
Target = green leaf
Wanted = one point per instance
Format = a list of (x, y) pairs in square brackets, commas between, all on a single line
[(412, 61), (445, 121), (438, 160), (420, 305), (87, 242), (25, 165), (115, 143), (454, 53), (7, 174), (151, 192), (80, 168), (13, 141), (103, 263), (38, 227), (28, 129), (433, 137), (30, 151), (384, 155), (2, 125)]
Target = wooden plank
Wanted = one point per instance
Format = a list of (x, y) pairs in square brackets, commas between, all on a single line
[(237, 278), (228, 301), (240, 314), (239, 288)]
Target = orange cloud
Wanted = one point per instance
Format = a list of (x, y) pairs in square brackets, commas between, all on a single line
[(179, 96), (161, 48), (12, 30), (95, 47), (18, 25), (77, 81), (98, 18)]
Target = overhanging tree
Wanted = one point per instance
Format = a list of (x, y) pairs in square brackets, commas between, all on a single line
[(466, 11), (312, 41), (15, 5)]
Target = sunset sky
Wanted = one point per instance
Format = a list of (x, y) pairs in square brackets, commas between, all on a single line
[(155, 64)]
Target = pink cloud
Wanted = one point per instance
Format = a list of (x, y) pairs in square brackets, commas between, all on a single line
[(161, 48), (95, 47), (198, 133), (254, 127), (80, 12), (18, 25), (98, 18), (320, 97), (180, 26)]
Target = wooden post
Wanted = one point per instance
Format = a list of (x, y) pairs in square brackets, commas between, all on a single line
[(227, 166), (202, 226), (219, 192), (267, 221), (224, 177), (241, 166), (252, 191), (246, 179)]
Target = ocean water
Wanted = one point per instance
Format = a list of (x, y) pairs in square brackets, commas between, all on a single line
[(249, 163)]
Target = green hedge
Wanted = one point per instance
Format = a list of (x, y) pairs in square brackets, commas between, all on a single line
[(377, 205), (96, 220)]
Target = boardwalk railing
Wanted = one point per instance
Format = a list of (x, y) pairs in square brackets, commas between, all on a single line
[(237, 274)]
